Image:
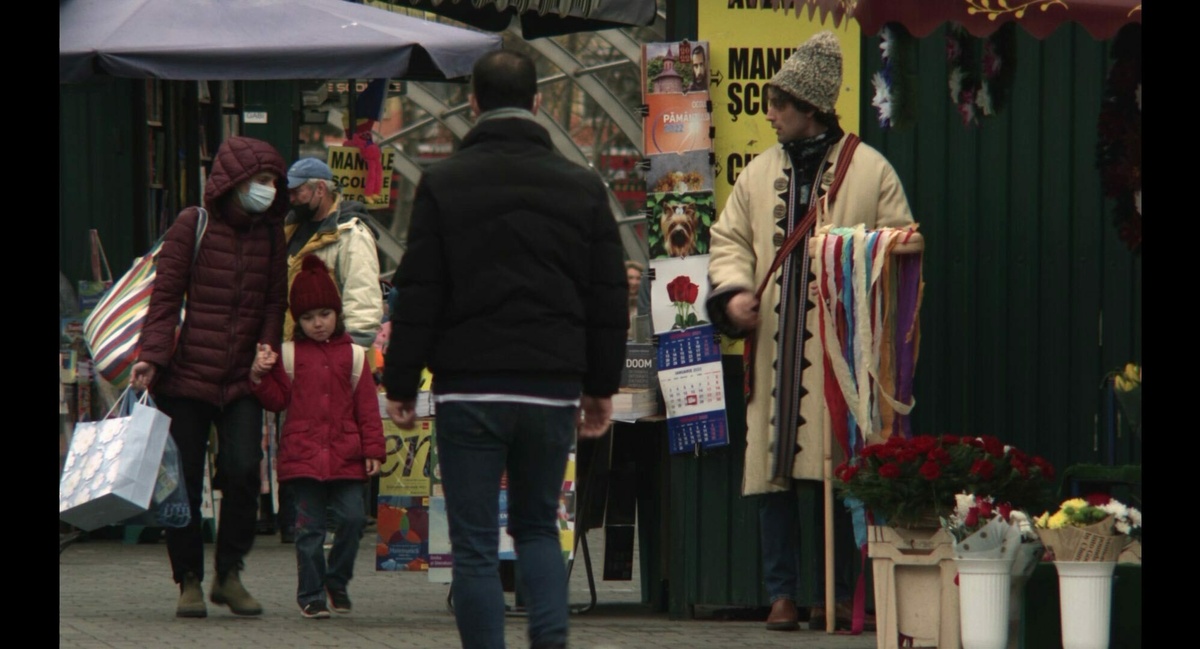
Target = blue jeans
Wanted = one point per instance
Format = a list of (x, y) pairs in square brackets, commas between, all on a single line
[(344, 500), (237, 476), (476, 442), (779, 525)]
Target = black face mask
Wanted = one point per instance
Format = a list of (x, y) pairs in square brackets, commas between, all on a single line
[(304, 212)]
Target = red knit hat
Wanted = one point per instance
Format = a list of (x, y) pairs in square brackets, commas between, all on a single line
[(313, 288)]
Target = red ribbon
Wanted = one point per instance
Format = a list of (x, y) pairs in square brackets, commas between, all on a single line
[(371, 155)]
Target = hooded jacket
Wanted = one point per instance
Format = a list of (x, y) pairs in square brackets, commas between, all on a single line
[(235, 287), (331, 427)]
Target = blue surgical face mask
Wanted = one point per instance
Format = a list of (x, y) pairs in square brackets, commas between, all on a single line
[(258, 198)]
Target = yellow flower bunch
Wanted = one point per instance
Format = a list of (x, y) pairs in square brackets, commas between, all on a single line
[(1129, 379), (1060, 518), (1079, 512)]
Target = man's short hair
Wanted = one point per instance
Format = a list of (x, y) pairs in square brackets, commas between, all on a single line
[(699, 49), (331, 186), (504, 79)]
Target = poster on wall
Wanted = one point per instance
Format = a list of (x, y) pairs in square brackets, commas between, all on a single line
[(350, 171)]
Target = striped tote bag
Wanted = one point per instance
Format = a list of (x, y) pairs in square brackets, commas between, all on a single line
[(113, 328)]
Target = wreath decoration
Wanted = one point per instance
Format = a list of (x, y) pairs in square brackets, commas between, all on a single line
[(892, 100), (979, 81), (1119, 136)]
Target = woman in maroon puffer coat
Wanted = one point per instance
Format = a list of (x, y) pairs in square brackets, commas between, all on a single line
[(236, 290)]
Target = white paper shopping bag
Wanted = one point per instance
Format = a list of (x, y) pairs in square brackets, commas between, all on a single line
[(112, 465)]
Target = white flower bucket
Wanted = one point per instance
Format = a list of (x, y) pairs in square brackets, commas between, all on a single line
[(1085, 602), (983, 593)]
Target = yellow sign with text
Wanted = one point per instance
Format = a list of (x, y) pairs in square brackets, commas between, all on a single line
[(350, 171), (749, 42), (405, 470)]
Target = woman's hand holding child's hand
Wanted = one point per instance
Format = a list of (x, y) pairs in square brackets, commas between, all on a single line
[(264, 360)]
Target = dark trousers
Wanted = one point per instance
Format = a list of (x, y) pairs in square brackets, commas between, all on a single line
[(780, 523), (320, 506), (476, 443), (238, 465)]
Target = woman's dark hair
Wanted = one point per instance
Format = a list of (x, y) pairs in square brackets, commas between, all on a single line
[(338, 329), (504, 79)]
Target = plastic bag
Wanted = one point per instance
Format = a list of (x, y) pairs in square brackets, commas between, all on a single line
[(169, 507)]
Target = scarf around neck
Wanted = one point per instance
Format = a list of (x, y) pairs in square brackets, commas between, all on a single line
[(807, 153)]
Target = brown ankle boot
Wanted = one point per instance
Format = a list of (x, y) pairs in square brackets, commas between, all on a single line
[(229, 590), (783, 616), (191, 598)]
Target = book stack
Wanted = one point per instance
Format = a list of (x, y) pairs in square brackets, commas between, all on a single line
[(425, 404), (638, 395), (631, 404)]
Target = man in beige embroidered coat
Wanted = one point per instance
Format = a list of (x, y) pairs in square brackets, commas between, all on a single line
[(784, 423)]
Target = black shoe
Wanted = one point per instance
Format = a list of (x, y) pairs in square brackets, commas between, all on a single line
[(339, 601), (315, 610), (287, 536)]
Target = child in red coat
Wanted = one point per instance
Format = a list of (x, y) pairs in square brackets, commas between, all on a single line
[(332, 438)]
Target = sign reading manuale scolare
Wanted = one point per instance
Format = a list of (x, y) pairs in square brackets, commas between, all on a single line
[(350, 171)]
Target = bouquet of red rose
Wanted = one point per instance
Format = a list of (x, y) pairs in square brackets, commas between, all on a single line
[(914, 480)]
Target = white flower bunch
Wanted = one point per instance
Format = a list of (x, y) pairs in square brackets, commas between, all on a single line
[(1125, 518)]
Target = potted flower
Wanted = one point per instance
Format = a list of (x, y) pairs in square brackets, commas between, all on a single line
[(906, 486), (1084, 537), (995, 550)]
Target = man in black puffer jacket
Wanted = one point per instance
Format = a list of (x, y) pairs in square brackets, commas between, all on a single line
[(513, 293)]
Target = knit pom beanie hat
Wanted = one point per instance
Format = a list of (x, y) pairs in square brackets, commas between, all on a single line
[(813, 72), (313, 288)]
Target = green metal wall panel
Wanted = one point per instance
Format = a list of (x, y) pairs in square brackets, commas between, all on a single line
[(281, 101), (1021, 257), (97, 157)]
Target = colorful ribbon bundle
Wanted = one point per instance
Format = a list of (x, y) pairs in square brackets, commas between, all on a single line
[(868, 301)]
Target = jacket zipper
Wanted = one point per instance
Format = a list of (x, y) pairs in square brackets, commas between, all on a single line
[(239, 271)]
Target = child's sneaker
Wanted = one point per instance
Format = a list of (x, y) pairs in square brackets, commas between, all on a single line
[(339, 601), (315, 610)]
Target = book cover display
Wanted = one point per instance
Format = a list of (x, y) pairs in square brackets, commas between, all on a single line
[(680, 211), (402, 517)]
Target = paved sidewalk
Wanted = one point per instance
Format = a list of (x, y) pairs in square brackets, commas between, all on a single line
[(115, 595)]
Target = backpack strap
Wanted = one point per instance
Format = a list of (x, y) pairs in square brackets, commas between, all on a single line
[(201, 226), (357, 357), (288, 350)]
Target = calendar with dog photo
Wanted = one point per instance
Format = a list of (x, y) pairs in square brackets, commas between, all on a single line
[(679, 223)]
